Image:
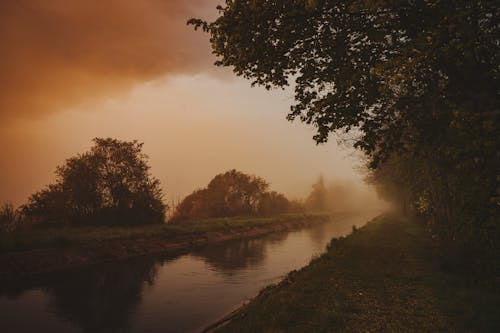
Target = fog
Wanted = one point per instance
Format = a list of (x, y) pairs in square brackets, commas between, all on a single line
[(348, 195), (72, 72)]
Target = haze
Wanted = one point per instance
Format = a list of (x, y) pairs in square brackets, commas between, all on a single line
[(133, 70)]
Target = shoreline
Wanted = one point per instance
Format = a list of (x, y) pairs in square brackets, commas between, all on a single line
[(38, 262), (385, 276)]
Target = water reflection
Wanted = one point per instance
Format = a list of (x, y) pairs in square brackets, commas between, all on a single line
[(99, 299), (232, 256), (102, 300), (319, 234), (179, 292)]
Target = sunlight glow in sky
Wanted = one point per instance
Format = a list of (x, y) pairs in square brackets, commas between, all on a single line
[(74, 73)]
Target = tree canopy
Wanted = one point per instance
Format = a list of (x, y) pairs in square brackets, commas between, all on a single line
[(110, 184), (415, 81), (232, 193), (365, 64)]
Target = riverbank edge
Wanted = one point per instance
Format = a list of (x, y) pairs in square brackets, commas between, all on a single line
[(38, 262), (383, 277)]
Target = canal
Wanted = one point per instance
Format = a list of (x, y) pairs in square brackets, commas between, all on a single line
[(178, 292)]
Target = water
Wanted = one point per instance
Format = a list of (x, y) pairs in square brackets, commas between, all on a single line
[(181, 292)]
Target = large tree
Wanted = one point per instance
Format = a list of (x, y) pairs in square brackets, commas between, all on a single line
[(231, 193), (109, 184), (365, 64), (411, 80)]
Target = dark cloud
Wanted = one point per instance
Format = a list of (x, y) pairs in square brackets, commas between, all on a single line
[(57, 53)]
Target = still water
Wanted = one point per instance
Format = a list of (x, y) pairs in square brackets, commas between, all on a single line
[(181, 292)]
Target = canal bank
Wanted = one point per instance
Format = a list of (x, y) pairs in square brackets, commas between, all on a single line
[(71, 254), (384, 277)]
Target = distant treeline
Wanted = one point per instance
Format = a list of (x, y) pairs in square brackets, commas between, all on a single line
[(234, 193), (111, 185)]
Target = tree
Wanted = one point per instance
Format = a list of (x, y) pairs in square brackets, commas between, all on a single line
[(235, 193), (110, 184), (195, 205), (231, 193), (317, 199), (273, 203), (9, 217), (414, 81), (364, 64)]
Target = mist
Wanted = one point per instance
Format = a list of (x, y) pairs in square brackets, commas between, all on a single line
[(134, 71), (193, 127), (350, 196)]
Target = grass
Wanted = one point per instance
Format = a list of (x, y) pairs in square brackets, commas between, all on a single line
[(385, 277), (67, 236)]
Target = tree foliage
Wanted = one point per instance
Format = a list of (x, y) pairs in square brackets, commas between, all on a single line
[(317, 201), (9, 217), (110, 184), (364, 64), (416, 82), (232, 193)]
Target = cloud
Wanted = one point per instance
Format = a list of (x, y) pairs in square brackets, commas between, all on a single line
[(58, 53)]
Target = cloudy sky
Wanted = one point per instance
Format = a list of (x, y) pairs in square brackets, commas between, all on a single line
[(72, 70)]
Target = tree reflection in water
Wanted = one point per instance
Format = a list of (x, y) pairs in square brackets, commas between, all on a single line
[(318, 234), (103, 299), (231, 256)]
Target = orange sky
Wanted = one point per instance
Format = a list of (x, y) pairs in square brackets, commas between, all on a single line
[(74, 70)]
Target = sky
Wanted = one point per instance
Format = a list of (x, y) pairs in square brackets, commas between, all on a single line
[(74, 70)]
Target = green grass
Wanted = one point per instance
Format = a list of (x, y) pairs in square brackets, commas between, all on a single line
[(67, 236), (385, 277)]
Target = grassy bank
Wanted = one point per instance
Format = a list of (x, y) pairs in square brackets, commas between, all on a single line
[(385, 277), (68, 236)]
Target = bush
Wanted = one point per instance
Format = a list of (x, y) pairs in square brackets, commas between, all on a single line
[(110, 184), (231, 193)]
